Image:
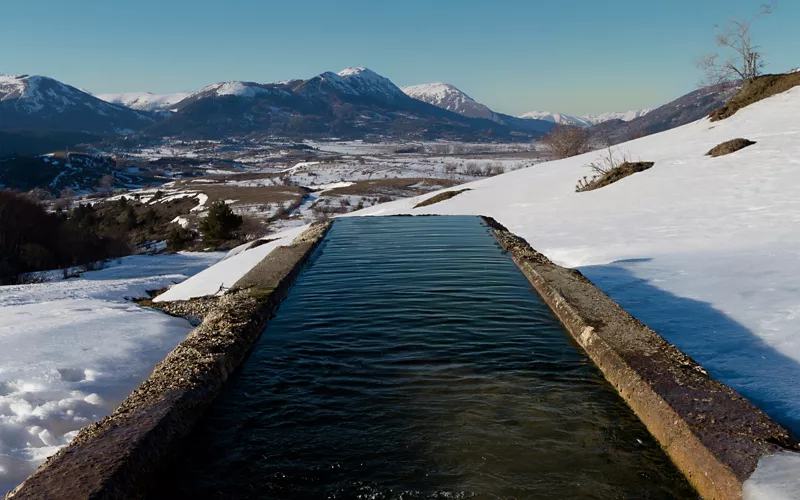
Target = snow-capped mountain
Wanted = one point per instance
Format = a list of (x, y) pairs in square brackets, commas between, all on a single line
[(145, 101), (449, 97), (366, 82), (559, 118), (29, 102), (625, 116), (585, 121)]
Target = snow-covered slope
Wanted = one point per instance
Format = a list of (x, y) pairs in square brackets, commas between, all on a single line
[(585, 121), (30, 102), (234, 88), (448, 97), (72, 350), (145, 101), (366, 82)]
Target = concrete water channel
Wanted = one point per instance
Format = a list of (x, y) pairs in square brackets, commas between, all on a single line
[(421, 357), (412, 359)]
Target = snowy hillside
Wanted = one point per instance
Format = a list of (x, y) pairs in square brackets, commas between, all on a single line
[(145, 101), (366, 82), (585, 121), (448, 97)]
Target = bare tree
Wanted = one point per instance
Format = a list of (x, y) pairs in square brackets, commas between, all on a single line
[(565, 141), (746, 63), (106, 183), (65, 199)]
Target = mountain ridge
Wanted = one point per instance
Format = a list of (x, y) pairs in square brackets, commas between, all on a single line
[(33, 102)]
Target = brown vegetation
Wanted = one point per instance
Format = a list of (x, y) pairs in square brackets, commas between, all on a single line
[(439, 197), (565, 141), (729, 147), (752, 92), (617, 173)]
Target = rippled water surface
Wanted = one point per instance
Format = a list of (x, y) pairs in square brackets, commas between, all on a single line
[(413, 360)]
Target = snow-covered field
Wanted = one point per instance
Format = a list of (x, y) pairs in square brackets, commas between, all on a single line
[(72, 350)]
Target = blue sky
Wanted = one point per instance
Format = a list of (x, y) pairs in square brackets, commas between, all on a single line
[(573, 56)]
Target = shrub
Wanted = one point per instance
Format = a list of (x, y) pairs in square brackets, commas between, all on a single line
[(565, 141), (473, 169), (178, 238), (221, 222), (609, 168)]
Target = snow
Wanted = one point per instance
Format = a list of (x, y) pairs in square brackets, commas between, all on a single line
[(74, 349), (435, 91), (181, 221), (585, 121), (227, 272), (447, 96), (202, 199), (704, 250), (145, 101), (366, 82), (247, 90), (775, 478), (321, 188)]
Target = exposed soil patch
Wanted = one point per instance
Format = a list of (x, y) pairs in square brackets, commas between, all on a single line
[(392, 187), (439, 197), (729, 147), (615, 174), (761, 88)]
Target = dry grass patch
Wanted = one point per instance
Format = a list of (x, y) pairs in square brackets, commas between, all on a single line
[(439, 197), (615, 174), (729, 147), (392, 187), (757, 90), (246, 195)]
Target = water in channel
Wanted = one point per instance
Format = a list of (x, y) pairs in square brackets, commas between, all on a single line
[(413, 360)]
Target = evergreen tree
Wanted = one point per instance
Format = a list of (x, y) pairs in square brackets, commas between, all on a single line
[(221, 222)]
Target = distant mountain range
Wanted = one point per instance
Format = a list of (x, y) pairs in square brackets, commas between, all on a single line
[(145, 101), (588, 120), (353, 103)]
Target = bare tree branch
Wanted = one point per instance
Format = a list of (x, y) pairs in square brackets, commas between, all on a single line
[(746, 63)]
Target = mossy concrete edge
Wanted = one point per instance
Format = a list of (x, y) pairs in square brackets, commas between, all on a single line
[(119, 456), (714, 435)]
